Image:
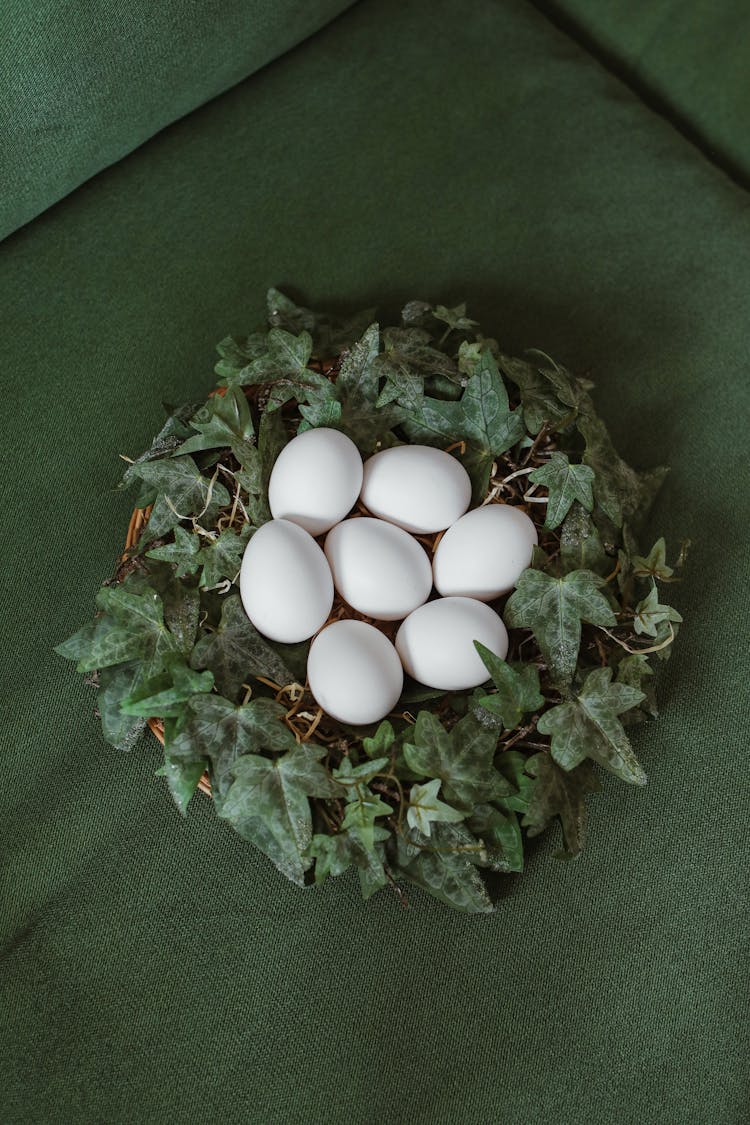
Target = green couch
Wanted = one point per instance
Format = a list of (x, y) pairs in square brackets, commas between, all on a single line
[(157, 969)]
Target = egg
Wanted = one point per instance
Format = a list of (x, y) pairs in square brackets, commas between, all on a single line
[(436, 642), (416, 487), (315, 480), (354, 672), (285, 582), (484, 553), (377, 568)]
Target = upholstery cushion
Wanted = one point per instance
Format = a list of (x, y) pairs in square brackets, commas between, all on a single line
[(158, 969), (84, 82)]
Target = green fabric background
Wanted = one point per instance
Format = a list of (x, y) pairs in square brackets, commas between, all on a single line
[(157, 969), (693, 58), (83, 82)]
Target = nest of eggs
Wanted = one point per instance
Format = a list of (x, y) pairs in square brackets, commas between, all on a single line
[(450, 785)]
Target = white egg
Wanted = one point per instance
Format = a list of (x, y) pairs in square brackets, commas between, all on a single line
[(484, 553), (436, 642), (418, 488), (285, 582), (315, 480), (377, 568), (354, 672)]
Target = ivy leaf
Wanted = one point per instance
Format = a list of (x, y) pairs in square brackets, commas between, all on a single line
[(320, 411), (183, 552), (115, 683), (547, 394), (174, 430), (237, 651), (182, 776), (517, 688), (132, 628), (381, 742), (649, 614), (268, 804), (462, 760), (223, 421), (588, 727), (256, 473), (404, 386), (635, 670), (222, 557), (455, 318), (654, 565), (500, 833), (357, 381), (214, 727), (560, 793), (284, 313), (565, 483), (511, 764), (182, 491), (425, 807), (409, 357), (620, 491), (238, 353), (482, 416), (163, 695), (441, 864), (351, 777), (553, 608), (581, 547)]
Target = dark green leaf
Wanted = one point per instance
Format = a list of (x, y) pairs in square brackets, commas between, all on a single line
[(553, 609), (654, 565), (444, 865), (222, 557), (183, 552), (562, 794), (588, 727), (268, 804), (223, 421), (620, 491), (463, 759), (581, 547), (565, 483), (115, 683), (236, 652), (284, 313), (182, 491), (517, 688), (512, 764), (548, 393), (500, 833), (164, 694), (174, 430)]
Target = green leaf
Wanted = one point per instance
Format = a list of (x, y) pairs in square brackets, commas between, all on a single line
[(163, 695), (455, 318), (482, 416), (132, 628), (635, 670), (581, 547), (553, 608), (223, 421), (649, 614), (222, 557), (183, 775), (183, 552), (256, 473), (268, 804), (283, 365), (424, 807), (500, 833), (284, 313), (381, 742), (512, 764), (462, 760), (323, 411), (565, 483), (442, 866), (548, 394), (238, 353), (588, 727), (182, 491), (517, 688), (562, 794), (236, 652), (333, 855), (174, 430), (213, 727), (115, 683), (621, 492), (654, 565), (409, 357)]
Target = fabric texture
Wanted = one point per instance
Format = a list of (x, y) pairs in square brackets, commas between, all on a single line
[(158, 969), (84, 83), (692, 58)]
